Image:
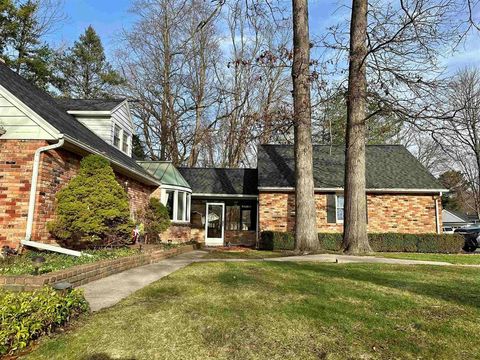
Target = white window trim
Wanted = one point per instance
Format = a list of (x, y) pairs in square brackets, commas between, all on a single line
[(186, 209), (337, 220), (120, 134)]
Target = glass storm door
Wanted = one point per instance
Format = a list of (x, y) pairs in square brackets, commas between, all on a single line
[(214, 225)]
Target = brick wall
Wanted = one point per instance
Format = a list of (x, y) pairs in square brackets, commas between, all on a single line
[(400, 213), (16, 161), (177, 233), (57, 167), (83, 274)]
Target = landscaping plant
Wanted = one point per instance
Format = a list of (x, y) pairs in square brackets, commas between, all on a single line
[(381, 242), (92, 208), (24, 316), (155, 220)]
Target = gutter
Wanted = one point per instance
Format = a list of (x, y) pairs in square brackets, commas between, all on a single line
[(372, 191), (31, 204)]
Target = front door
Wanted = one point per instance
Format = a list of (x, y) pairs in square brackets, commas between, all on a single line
[(214, 225)]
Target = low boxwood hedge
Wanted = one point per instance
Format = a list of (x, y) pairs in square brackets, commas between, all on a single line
[(24, 316), (385, 242)]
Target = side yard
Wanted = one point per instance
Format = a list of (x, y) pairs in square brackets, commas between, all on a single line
[(270, 310)]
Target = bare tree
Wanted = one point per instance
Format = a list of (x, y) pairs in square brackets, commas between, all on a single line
[(459, 135), (355, 238), (305, 211)]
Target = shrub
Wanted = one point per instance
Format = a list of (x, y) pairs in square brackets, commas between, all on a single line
[(24, 316), (385, 242), (274, 240), (330, 241), (155, 219), (92, 208)]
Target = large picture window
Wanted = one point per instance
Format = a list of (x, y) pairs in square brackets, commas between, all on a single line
[(178, 205), (240, 216)]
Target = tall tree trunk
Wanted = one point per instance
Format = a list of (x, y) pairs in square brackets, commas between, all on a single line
[(355, 238), (305, 225)]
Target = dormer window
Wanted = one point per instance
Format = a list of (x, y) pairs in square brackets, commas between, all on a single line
[(125, 142), (116, 136)]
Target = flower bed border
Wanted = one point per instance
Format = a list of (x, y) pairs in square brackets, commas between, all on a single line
[(83, 274)]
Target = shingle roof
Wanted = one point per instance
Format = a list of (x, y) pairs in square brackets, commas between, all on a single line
[(388, 167), (221, 180), (47, 108), (89, 104), (165, 172)]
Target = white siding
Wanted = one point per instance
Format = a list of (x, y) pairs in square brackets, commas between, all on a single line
[(100, 125), (122, 118), (18, 125)]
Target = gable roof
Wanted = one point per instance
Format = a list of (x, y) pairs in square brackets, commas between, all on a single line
[(165, 172), (89, 104), (449, 216), (387, 167), (74, 131), (221, 181)]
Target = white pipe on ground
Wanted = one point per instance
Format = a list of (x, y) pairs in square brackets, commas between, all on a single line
[(31, 204)]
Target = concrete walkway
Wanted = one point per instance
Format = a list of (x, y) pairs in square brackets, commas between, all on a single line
[(108, 291), (111, 289)]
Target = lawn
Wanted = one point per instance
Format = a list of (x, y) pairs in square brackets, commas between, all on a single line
[(471, 259), (243, 253), (23, 264), (270, 310)]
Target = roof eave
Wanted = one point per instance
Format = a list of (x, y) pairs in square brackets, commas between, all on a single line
[(144, 177), (376, 190)]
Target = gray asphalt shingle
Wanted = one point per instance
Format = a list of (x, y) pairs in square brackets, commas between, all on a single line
[(221, 180), (388, 167)]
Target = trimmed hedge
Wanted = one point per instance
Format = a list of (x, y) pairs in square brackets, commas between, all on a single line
[(386, 242), (24, 316)]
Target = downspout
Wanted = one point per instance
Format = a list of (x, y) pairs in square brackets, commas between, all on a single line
[(31, 204), (437, 216)]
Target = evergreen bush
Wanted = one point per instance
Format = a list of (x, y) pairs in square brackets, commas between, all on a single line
[(155, 219), (93, 208)]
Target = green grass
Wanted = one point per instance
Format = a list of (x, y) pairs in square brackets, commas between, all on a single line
[(471, 259), (23, 264), (270, 310), (246, 254)]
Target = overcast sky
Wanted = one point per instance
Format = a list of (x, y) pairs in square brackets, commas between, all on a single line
[(109, 17)]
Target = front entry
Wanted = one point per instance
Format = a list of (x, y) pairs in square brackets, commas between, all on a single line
[(214, 229)]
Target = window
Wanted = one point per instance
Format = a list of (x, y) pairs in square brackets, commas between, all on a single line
[(198, 214), (116, 136), (340, 205), (240, 216), (336, 209), (170, 202), (178, 205), (125, 140), (181, 206)]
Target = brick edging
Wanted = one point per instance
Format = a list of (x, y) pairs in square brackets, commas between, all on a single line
[(83, 274)]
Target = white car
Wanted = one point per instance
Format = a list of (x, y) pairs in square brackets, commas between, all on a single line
[(448, 230)]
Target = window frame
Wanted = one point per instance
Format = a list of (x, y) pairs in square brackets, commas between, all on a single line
[(125, 142), (184, 218), (337, 220), (120, 134)]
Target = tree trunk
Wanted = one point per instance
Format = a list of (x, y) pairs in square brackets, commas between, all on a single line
[(355, 238), (305, 225)]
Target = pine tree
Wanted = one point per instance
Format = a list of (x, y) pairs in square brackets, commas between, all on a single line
[(21, 44), (85, 72)]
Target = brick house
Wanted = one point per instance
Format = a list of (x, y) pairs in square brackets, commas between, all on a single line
[(43, 139)]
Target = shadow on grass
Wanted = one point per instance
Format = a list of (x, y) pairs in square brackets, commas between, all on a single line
[(446, 284), (103, 356)]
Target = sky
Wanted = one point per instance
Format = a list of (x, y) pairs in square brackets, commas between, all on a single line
[(110, 17)]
